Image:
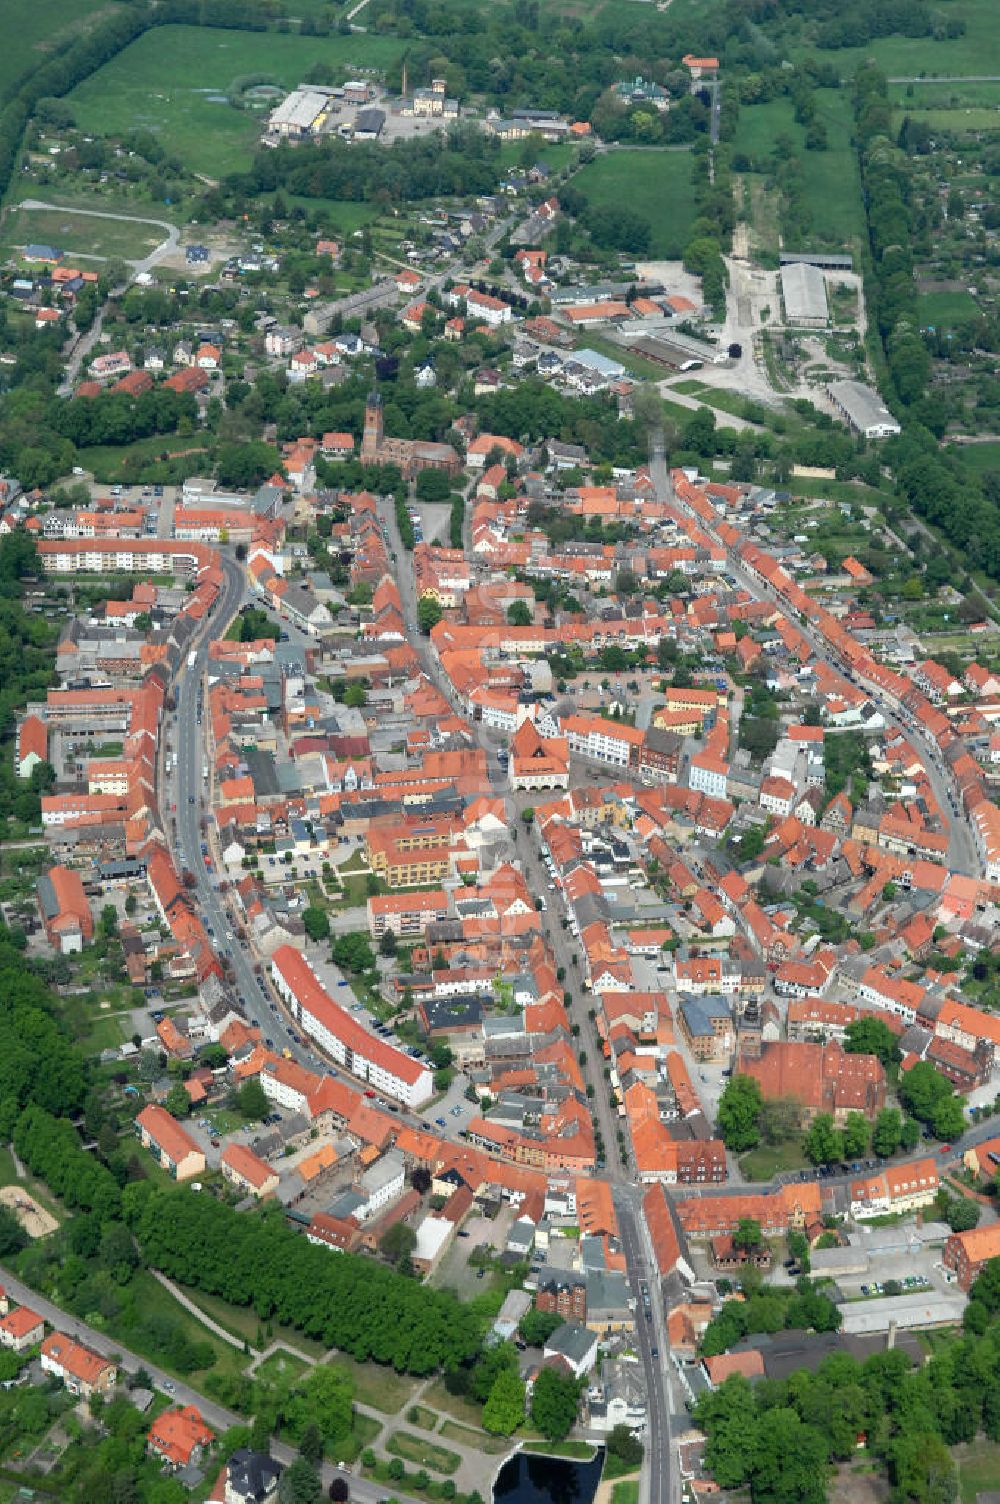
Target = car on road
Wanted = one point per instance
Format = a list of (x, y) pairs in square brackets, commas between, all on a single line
[(654, 1352), (215, 1143), (441, 1122), (169, 1386)]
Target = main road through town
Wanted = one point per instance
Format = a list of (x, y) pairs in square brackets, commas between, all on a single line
[(659, 1482), (189, 788)]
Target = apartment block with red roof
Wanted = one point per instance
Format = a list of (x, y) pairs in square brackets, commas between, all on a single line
[(338, 1032), (405, 913), (903, 1188), (176, 1151)]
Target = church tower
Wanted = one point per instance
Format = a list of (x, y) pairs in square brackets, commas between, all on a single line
[(371, 443)]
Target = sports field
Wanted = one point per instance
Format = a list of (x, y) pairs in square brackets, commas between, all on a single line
[(174, 81), (656, 184), (832, 188)]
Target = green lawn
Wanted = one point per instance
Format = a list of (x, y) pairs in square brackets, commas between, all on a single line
[(244, 1323), (626, 1492), (33, 28), (582, 1450), (172, 79), (104, 1033), (955, 122), (978, 1466), (151, 1299), (916, 98), (767, 1161), (942, 309), (980, 457), (453, 1404), (467, 1437), (281, 1368), (111, 464), (419, 1415), (974, 53), (655, 184), (82, 234), (381, 1388), (832, 189), (423, 1453)]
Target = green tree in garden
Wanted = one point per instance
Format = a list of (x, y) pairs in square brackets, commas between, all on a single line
[(504, 1408), (823, 1144), (738, 1113), (177, 1102), (554, 1403), (251, 1101), (855, 1136), (429, 613), (316, 923), (888, 1132)]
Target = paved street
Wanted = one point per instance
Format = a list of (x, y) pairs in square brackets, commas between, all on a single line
[(660, 1485)]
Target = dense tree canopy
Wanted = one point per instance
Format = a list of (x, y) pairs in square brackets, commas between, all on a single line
[(347, 1302)]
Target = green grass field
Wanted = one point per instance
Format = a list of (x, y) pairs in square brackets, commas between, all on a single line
[(980, 457), (764, 1163), (81, 234), (281, 1368), (451, 1430), (976, 53), (942, 309), (170, 81), (937, 96), (955, 122), (978, 1466), (655, 184), (832, 188), (422, 1452), (32, 28)]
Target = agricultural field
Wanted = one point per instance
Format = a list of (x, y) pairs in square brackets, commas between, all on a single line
[(175, 81), (655, 184), (81, 234), (831, 186), (32, 28)]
